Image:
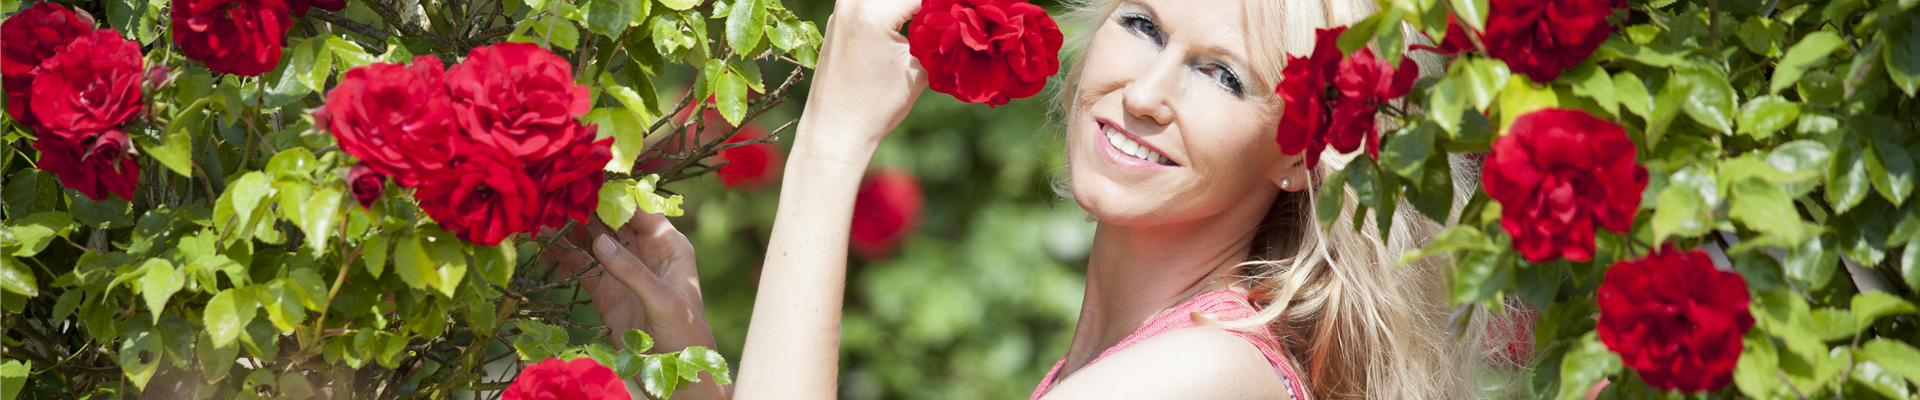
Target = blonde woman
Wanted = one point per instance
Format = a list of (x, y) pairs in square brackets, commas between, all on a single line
[(1208, 277)]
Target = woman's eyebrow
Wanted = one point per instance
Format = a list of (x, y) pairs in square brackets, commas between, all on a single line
[(1144, 8)]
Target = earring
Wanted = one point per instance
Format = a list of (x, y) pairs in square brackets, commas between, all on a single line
[(1286, 183)]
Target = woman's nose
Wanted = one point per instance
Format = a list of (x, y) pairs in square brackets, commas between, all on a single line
[(1149, 96)]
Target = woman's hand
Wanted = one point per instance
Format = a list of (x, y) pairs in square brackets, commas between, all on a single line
[(655, 285), (866, 80)]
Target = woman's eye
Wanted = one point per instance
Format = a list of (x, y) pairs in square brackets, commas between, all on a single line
[(1224, 76), (1144, 27)]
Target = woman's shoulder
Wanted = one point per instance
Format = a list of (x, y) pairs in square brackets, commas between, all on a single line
[(1193, 362)]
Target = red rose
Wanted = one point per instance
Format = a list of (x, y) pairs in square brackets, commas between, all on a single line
[(299, 7), (1675, 318), (553, 379), (396, 118), (91, 86), (885, 211), (1333, 100), (31, 37), (483, 197), (366, 184), (570, 181), (94, 166), (518, 97), (241, 37), (1559, 173), (1542, 38), (985, 51), (751, 166)]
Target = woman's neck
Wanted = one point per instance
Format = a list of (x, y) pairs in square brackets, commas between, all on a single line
[(1135, 273)]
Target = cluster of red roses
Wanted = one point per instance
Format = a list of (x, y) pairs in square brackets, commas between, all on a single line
[(1332, 99), (241, 37), (1558, 175), (1539, 38), (985, 51), (493, 145), (77, 87)]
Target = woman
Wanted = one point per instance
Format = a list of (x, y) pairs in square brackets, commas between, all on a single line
[(1208, 277)]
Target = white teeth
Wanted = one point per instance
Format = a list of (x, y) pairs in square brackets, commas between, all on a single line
[(1129, 147)]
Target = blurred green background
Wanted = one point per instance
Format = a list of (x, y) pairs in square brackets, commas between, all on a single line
[(978, 303)]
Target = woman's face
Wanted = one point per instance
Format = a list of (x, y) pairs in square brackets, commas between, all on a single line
[(1168, 123)]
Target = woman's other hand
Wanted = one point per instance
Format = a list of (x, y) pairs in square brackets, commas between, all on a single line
[(866, 80), (655, 285)]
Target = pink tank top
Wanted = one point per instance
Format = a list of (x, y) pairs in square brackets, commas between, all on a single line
[(1221, 304)]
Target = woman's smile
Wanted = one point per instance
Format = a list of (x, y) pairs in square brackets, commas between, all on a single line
[(1124, 148)]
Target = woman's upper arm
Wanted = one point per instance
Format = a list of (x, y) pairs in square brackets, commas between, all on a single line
[(1189, 363)]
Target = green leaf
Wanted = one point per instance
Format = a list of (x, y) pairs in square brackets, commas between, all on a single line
[(1755, 373), (1831, 324), (1586, 364), (617, 203), (13, 377), (312, 289), (1811, 263), (1847, 181), (1870, 306), (449, 262), (1784, 314), (496, 263), (653, 203), (629, 138), (1810, 52), (412, 261), (746, 23), (732, 92), (799, 38), (29, 235), (348, 54), (30, 191), (1767, 114), (660, 375), (1455, 238), (1762, 36), (1873, 376), (16, 278), (1483, 79), (609, 17), (1686, 205), (1891, 171), (115, 212), (228, 313), (318, 215), (158, 283), (636, 341), (312, 62), (140, 352), (1764, 207), (680, 4), (1472, 13), (1710, 100), (247, 194), (1329, 198), (1407, 150), (282, 302), (174, 149), (1632, 93), (374, 253), (1591, 81), (1903, 52), (214, 361), (623, 363), (701, 359), (1898, 358), (1362, 33)]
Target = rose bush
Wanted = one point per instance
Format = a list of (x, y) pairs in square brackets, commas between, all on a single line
[(985, 51), (170, 207)]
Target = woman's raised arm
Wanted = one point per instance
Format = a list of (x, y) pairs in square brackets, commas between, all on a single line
[(864, 86)]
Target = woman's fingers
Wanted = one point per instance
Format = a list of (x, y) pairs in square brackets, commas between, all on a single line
[(624, 267)]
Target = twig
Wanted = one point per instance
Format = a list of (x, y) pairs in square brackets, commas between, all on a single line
[(349, 24)]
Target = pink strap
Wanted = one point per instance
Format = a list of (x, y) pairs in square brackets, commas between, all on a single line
[(1222, 304)]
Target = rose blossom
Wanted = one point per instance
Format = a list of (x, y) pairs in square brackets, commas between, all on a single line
[(553, 379), (366, 184), (99, 164), (396, 118), (1675, 319), (985, 51), (1332, 100), (1542, 38), (483, 197), (241, 37), (885, 211), (518, 97), (30, 38), (751, 166), (91, 86), (570, 181), (1557, 174)]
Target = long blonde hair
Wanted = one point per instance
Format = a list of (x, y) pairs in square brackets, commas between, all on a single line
[(1355, 322)]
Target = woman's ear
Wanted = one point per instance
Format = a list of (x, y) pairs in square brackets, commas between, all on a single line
[(1292, 174)]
